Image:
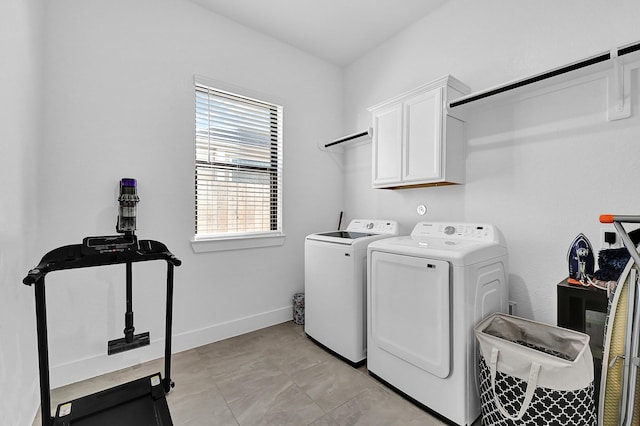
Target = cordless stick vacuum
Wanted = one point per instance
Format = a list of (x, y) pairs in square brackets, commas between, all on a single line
[(126, 225)]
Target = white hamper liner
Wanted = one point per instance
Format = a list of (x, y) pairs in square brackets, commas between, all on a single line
[(534, 373)]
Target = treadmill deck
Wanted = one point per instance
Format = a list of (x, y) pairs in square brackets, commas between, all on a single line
[(140, 402)]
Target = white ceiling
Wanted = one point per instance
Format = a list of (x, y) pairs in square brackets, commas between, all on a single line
[(339, 31)]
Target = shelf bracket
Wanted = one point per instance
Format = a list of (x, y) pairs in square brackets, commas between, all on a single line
[(618, 89)]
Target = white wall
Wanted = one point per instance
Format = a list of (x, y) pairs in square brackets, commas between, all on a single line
[(120, 103), (21, 45), (542, 169)]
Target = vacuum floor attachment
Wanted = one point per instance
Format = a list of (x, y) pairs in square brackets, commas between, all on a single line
[(121, 345)]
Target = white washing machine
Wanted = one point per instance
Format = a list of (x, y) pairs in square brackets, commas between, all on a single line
[(335, 265), (426, 292)]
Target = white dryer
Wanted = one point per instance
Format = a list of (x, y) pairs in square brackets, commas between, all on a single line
[(335, 266), (426, 292)]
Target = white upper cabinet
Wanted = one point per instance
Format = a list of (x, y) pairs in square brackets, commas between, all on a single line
[(415, 142)]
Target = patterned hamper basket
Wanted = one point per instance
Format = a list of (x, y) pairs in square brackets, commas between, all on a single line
[(298, 308), (534, 374)]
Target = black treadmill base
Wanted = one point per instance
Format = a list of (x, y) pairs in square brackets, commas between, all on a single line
[(141, 402)]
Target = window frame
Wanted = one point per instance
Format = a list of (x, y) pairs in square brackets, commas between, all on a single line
[(252, 239)]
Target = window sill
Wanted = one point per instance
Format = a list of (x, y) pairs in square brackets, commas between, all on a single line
[(204, 245)]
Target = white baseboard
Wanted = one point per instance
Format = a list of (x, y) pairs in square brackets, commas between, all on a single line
[(81, 369), (225, 330)]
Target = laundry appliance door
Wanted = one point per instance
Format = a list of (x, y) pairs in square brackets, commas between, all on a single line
[(411, 310)]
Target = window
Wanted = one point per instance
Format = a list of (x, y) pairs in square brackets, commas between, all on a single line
[(238, 165)]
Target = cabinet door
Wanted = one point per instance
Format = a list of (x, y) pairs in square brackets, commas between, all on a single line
[(387, 148), (422, 137)]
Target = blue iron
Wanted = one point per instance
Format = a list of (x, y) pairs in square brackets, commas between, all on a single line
[(581, 260)]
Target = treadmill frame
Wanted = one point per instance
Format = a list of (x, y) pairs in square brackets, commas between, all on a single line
[(73, 257)]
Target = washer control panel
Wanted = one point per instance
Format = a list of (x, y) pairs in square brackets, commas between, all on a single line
[(373, 226), (456, 231)]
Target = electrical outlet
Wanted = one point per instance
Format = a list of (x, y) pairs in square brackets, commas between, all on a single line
[(609, 239)]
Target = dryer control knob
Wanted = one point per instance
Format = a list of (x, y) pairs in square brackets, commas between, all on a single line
[(449, 230), (370, 225)]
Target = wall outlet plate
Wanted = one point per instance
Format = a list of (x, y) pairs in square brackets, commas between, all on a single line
[(609, 239)]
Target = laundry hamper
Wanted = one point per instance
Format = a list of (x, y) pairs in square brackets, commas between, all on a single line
[(534, 374)]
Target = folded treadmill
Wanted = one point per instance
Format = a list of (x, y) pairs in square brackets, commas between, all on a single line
[(141, 402)]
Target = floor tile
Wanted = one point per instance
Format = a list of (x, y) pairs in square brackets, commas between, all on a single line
[(325, 420), (199, 404), (283, 404), (378, 406), (332, 382), (274, 376)]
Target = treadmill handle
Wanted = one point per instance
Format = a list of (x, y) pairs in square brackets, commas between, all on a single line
[(35, 275)]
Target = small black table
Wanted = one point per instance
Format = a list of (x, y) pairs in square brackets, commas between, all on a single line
[(580, 308)]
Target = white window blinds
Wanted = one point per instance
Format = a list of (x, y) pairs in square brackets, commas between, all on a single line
[(238, 164)]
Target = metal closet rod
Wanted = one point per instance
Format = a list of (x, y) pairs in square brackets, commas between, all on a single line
[(347, 138), (559, 71)]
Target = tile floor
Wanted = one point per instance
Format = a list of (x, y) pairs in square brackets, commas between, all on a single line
[(273, 376)]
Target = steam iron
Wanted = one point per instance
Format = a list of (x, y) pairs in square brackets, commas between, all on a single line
[(580, 259)]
